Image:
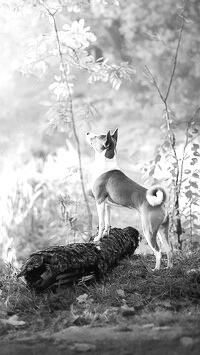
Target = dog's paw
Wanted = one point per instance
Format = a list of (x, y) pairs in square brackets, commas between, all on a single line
[(169, 266), (97, 243), (106, 232), (96, 240), (98, 246)]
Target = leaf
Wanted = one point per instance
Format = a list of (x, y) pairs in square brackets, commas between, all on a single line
[(195, 175), (194, 184), (78, 34), (194, 161), (60, 89), (197, 226), (116, 82), (157, 158), (13, 320), (196, 194), (189, 194), (186, 222), (195, 146), (195, 130), (121, 293), (83, 347), (187, 342), (127, 311), (187, 171), (173, 172), (166, 144), (152, 171), (82, 298), (194, 216)]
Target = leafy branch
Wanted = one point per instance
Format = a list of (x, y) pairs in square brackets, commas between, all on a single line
[(71, 47), (71, 109)]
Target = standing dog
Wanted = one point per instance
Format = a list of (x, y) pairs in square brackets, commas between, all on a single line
[(111, 186)]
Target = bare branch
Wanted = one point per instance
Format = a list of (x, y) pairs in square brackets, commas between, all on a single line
[(154, 82), (163, 97), (175, 58)]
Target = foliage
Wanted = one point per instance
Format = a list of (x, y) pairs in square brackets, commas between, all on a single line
[(176, 164), (42, 206), (70, 49), (149, 31), (180, 174)]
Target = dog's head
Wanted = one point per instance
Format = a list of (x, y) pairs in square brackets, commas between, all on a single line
[(104, 143)]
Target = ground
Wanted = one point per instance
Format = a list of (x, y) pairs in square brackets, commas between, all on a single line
[(132, 311), (137, 339)]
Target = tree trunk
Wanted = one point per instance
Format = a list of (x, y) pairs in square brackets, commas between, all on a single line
[(78, 262)]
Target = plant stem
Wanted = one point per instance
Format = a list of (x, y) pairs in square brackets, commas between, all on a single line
[(172, 139)]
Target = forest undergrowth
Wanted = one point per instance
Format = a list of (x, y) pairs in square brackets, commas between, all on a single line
[(131, 292)]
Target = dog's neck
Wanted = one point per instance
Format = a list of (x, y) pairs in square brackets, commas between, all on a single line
[(103, 165)]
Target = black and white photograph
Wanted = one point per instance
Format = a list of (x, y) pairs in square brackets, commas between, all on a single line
[(99, 177)]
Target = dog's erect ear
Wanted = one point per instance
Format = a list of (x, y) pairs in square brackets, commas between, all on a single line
[(115, 134), (108, 140)]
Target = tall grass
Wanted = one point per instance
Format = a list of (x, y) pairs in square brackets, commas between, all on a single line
[(41, 205)]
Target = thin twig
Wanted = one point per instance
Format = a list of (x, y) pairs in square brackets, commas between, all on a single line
[(175, 58), (183, 156), (163, 97), (155, 82)]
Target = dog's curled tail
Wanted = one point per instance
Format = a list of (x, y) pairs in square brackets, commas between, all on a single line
[(156, 195)]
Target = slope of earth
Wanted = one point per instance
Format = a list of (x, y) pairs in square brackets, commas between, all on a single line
[(131, 311)]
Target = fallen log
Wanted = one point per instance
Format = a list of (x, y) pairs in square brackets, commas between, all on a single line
[(78, 262)]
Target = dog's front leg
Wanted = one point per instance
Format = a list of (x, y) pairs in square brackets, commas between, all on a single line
[(107, 220), (101, 215)]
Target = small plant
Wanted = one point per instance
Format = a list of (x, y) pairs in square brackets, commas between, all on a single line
[(178, 163), (39, 209)]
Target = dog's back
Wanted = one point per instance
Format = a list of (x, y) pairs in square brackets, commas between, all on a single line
[(117, 188)]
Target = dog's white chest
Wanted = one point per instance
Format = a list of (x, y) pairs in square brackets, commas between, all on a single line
[(102, 165)]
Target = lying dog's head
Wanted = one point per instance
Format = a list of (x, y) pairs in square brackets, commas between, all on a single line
[(104, 143)]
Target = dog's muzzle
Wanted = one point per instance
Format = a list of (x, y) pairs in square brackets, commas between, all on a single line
[(89, 137)]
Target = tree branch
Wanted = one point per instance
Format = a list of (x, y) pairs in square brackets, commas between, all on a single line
[(155, 83), (175, 58)]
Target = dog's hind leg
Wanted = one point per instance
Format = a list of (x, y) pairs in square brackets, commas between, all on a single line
[(150, 225), (151, 240), (163, 234)]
